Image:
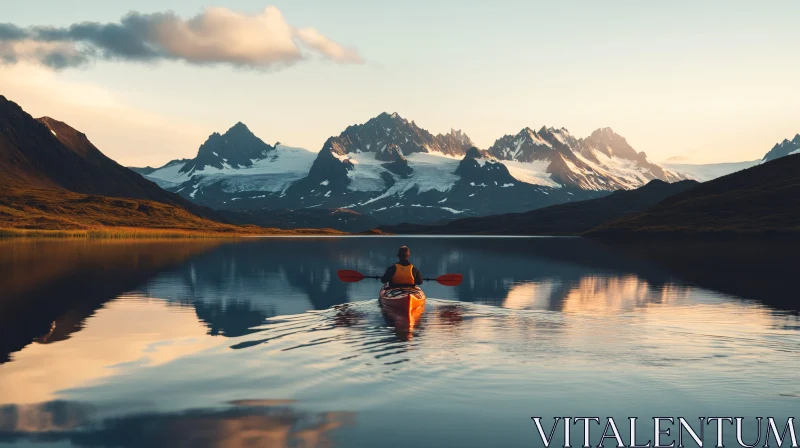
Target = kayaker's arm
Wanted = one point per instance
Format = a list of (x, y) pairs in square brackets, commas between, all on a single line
[(417, 276), (389, 274)]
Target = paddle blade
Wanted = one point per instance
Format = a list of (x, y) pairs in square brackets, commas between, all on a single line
[(450, 279), (349, 276)]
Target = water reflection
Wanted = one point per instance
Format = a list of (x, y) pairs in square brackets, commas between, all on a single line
[(51, 287), (404, 323), (246, 423), (158, 344)]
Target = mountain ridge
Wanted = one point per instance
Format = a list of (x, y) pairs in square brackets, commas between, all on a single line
[(783, 149), (571, 218), (48, 153), (52, 177), (388, 164), (763, 200)]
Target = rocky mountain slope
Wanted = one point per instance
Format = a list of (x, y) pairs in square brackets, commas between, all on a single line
[(760, 201), (783, 149), (391, 170), (49, 154), (53, 178), (603, 161)]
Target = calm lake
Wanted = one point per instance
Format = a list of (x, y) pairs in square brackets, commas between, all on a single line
[(257, 343)]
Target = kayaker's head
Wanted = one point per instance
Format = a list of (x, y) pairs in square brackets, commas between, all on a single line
[(404, 253)]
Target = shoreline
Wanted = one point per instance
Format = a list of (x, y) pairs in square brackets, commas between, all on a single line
[(153, 233)]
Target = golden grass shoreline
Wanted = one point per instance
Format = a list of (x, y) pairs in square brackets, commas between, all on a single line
[(151, 233)]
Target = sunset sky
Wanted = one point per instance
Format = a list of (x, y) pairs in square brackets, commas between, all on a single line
[(149, 80)]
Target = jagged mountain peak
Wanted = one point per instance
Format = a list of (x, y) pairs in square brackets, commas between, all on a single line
[(612, 144), (479, 167), (457, 133), (602, 161), (238, 128), (238, 147), (530, 134), (387, 129), (784, 148), (559, 138), (606, 131), (551, 129), (525, 146), (386, 117)]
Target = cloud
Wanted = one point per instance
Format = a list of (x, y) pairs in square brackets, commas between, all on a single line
[(216, 36), (334, 51)]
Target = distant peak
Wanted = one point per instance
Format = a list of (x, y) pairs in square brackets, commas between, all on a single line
[(393, 115), (386, 119), (528, 133), (238, 127)]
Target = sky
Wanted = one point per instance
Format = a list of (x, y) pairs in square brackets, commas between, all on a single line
[(149, 80)]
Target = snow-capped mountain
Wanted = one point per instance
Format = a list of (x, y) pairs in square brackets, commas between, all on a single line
[(230, 163), (784, 148), (392, 170), (237, 148), (377, 133), (603, 161), (710, 171)]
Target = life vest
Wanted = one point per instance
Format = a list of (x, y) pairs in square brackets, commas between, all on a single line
[(403, 274)]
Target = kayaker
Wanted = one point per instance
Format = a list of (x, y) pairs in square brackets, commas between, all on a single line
[(402, 273)]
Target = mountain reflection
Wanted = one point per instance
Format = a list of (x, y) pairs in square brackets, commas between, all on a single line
[(272, 423), (235, 287), (51, 287)]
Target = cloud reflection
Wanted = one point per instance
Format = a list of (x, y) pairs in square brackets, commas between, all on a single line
[(247, 423)]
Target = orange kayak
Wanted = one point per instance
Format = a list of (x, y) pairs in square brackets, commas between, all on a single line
[(403, 300)]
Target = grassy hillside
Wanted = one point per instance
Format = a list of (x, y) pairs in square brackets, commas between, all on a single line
[(51, 212)]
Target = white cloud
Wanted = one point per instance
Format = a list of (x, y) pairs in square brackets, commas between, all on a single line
[(264, 40), (330, 49)]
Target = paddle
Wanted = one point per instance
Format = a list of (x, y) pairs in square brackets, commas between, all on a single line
[(349, 276)]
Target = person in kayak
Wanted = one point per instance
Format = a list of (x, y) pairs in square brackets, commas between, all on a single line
[(403, 273)]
